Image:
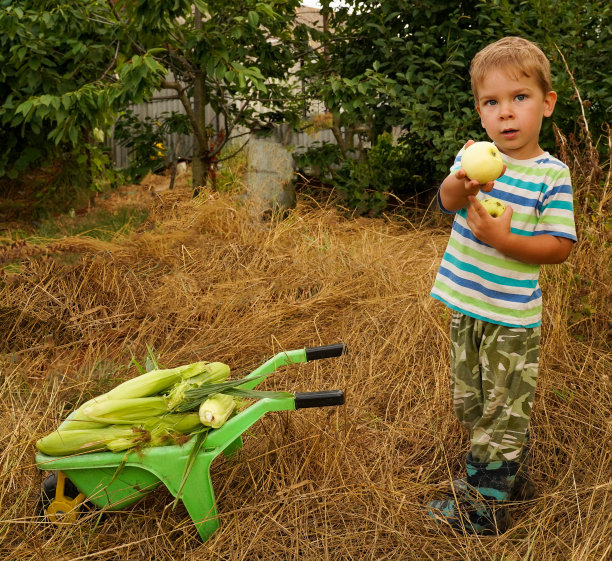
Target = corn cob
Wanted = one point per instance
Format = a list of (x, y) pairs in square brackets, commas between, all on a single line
[(156, 381), (145, 385), (216, 410), (155, 431), (124, 411)]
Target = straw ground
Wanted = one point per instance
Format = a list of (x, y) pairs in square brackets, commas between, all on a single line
[(202, 280)]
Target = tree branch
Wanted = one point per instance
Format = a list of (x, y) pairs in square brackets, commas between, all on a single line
[(188, 108)]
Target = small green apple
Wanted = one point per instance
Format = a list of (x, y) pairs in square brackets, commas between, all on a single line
[(493, 206), (482, 161)]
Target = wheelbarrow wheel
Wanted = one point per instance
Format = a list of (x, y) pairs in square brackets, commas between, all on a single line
[(59, 499)]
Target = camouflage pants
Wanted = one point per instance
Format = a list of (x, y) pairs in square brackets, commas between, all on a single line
[(494, 369)]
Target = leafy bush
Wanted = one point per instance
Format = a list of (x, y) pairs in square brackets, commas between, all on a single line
[(388, 167), (318, 160), (365, 183)]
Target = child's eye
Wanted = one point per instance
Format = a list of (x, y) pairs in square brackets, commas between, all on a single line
[(490, 102), (521, 97)]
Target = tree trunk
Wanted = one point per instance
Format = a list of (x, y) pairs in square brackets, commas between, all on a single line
[(200, 164)]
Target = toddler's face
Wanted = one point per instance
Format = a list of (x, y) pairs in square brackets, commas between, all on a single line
[(511, 107)]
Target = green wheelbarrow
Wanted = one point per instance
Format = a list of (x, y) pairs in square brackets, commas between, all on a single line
[(112, 481)]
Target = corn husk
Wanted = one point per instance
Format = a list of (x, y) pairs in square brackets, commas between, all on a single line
[(157, 381), (92, 415), (63, 443), (155, 431), (125, 411)]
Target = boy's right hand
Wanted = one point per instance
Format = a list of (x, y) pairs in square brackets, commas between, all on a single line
[(472, 186)]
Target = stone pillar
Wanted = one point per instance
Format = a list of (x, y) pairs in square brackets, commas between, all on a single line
[(270, 182)]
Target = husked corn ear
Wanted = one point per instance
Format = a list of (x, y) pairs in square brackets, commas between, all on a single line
[(156, 381), (216, 410), (124, 411), (216, 372)]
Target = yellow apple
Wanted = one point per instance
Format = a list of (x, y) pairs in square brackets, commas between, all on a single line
[(493, 206), (482, 161)]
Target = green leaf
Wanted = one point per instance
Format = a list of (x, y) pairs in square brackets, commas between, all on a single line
[(200, 439), (267, 9), (201, 5), (157, 51), (25, 107), (73, 135), (253, 19)]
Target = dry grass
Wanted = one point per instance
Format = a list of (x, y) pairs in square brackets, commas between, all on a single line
[(203, 281)]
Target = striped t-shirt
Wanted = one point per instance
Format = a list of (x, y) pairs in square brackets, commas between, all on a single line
[(479, 281)]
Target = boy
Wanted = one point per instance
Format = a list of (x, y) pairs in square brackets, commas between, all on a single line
[(489, 279)]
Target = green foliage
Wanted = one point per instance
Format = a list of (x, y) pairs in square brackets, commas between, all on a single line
[(401, 64), (406, 64), (211, 55), (63, 72), (232, 169), (65, 183), (319, 160), (67, 67)]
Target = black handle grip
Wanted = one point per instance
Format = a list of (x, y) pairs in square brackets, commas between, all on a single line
[(328, 351), (319, 399)]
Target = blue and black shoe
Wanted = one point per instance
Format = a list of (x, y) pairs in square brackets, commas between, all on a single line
[(478, 502)]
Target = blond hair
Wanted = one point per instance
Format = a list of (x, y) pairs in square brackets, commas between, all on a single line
[(513, 54)]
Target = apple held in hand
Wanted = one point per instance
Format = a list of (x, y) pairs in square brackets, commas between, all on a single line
[(493, 206), (482, 161)]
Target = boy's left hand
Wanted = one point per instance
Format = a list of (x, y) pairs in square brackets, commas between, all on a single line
[(492, 231)]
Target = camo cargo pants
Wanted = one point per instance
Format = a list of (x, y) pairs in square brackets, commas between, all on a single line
[(494, 370)]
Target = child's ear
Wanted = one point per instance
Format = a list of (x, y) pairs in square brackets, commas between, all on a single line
[(549, 103), (480, 115)]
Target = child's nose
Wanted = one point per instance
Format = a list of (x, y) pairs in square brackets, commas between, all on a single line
[(505, 111)]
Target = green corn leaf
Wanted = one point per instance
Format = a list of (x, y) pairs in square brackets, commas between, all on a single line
[(256, 394), (200, 438)]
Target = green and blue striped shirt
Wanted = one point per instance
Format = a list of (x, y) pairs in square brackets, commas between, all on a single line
[(479, 281)]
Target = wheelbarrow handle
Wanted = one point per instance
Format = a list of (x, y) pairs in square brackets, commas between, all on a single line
[(319, 399), (327, 351)]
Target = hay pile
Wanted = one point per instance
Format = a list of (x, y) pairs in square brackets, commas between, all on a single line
[(203, 281)]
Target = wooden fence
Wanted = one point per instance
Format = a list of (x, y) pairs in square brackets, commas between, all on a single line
[(164, 102)]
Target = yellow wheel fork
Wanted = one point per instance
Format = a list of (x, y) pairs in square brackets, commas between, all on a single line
[(63, 508)]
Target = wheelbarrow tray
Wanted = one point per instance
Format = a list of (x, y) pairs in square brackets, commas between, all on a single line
[(114, 480)]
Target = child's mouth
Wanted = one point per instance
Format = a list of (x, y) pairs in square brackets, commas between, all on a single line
[(510, 133)]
